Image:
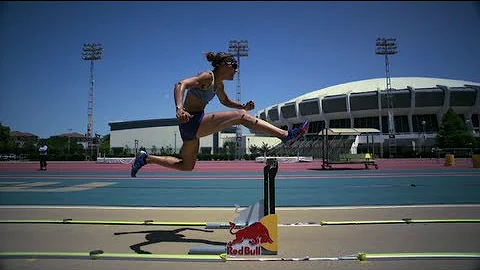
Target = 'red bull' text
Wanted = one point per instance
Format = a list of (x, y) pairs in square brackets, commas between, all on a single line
[(244, 250)]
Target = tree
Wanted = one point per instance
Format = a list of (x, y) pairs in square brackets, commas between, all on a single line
[(7, 142), (153, 150), (169, 150), (57, 145), (230, 148), (105, 144), (453, 132), (29, 148), (265, 148), (126, 150), (255, 150)]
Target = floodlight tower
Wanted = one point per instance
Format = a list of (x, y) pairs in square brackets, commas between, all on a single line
[(238, 48), (388, 46), (91, 52)]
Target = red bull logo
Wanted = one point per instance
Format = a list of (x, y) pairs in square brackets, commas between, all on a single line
[(252, 240)]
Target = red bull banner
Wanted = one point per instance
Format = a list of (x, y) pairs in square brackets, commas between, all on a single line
[(260, 238)]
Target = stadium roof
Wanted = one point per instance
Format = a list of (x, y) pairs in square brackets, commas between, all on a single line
[(380, 84)]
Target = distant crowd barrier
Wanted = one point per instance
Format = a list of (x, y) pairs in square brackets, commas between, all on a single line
[(115, 160), (112, 160), (476, 161), (449, 160), (285, 159)]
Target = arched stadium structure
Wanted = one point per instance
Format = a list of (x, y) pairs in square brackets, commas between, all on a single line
[(363, 104)]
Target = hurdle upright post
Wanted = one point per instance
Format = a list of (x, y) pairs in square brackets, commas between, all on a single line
[(269, 172)]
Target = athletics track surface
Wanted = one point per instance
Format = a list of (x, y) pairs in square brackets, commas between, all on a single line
[(233, 166), (295, 241)]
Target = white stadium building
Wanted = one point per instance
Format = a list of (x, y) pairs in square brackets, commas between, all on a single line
[(418, 105), (163, 135)]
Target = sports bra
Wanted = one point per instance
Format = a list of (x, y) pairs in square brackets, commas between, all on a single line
[(205, 94)]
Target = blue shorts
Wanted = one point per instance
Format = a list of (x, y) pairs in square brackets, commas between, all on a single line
[(188, 131)]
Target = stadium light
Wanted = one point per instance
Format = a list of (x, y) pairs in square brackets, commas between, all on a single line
[(238, 48), (91, 52), (386, 47)]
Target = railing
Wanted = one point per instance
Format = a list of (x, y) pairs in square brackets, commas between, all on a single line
[(313, 146)]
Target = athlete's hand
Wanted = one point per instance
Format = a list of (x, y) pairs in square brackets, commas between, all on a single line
[(183, 116), (249, 105)]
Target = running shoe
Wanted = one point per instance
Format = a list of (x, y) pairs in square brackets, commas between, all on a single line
[(139, 162), (297, 133)]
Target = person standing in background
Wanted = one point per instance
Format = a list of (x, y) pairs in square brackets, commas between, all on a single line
[(43, 157)]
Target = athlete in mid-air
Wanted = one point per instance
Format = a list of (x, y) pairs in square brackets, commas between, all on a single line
[(194, 123)]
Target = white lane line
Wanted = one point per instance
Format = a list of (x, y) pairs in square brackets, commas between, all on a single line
[(233, 208), (22, 187), (30, 187), (240, 177)]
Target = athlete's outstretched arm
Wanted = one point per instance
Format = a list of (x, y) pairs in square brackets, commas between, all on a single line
[(225, 100)]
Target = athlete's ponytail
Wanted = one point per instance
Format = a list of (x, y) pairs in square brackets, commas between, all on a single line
[(218, 58)]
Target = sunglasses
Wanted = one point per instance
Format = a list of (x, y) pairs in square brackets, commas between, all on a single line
[(233, 64)]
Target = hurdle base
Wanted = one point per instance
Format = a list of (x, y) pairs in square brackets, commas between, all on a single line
[(223, 225), (207, 250), (248, 216), (268, 252)]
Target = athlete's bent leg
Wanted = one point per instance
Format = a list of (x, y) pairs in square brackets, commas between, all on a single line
[(187, 163)]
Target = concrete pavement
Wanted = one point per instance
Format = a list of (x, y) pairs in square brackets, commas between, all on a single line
[(317, 241)]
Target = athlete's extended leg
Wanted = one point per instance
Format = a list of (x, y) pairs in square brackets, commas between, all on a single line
[(187, 163), (218, 121)]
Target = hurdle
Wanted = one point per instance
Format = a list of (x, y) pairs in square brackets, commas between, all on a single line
[(257, 224)]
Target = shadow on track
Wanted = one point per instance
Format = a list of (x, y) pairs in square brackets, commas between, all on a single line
[(154, 237)]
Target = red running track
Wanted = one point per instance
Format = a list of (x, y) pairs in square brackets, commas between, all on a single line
[(234, 166)]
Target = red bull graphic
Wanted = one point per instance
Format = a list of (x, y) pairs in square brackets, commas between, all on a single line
[(256, 239)]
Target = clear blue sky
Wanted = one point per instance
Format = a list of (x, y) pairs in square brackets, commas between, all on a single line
[(295, 48)]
